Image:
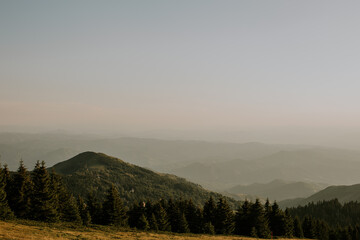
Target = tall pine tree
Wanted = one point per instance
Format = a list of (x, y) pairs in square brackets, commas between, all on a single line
[(113, 209), (224, 218), (259, 221), (22, 187), (44, 205), (5, 211)]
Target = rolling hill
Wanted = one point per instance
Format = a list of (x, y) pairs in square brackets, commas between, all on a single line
[(343, 193), (277, 190), (95, 172)]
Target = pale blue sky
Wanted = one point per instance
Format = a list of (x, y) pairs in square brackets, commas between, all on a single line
[(179, 65)]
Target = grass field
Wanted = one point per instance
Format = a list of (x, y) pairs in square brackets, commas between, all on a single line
[(42, 231)]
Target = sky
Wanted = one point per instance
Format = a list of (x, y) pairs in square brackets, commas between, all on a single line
[(270, 70)]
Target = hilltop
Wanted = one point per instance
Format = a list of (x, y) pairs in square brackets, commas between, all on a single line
[(95, 172)]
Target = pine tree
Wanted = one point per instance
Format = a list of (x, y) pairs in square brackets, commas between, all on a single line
[(258, 220), (22, 187), (308, 227), (209, 211), (44, 200), (135, 214), (268, 209), (5, 211), (113, 209), (194, 217), (177, 218), (153, 223), (209, 228), (224, 218), (8, 183), (242, 219), (95, 209), (278, 221), (289, 224), (66, 203), (183, 226), (84, 212), (162, 219), (298, 232), (143, 223)]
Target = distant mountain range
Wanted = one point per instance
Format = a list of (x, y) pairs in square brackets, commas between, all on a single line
[(276, 190), (159, 155), (324, 165), (342, 193), (218, 166), (95, 172)]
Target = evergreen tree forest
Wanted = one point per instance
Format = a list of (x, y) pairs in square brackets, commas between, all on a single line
[(40, 195)]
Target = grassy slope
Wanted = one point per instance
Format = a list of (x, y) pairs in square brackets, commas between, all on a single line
[(42, 231)]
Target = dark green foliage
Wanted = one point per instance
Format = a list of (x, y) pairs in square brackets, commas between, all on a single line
[(298, 232), (67, 207), (194, 217), (308, 227), (209, 228), (20, 193), (5, 211), (209, 211), (289, 225), (258, 220), (113, 209), (161, 217), (84, 212), (143, 223), (50, 201), (96, 172), (182, 225), (153, 223), (8, 182), (224, 218), (44, 206), (137, 216), (95, 209), (332, 212), (280, 224), (242, 219), (177, 218)]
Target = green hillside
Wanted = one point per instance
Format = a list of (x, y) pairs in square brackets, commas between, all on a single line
[(344, 194), (95, 172)]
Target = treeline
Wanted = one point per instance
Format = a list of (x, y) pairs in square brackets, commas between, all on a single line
[(330, 220), (40, 195)]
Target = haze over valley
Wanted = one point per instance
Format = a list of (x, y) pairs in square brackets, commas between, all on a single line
[(204, 117)]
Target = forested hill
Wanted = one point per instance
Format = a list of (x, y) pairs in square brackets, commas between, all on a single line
[(343, 194), (95, 172)]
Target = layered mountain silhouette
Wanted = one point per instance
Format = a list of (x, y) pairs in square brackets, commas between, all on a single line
[(277, 190), (343, 193)]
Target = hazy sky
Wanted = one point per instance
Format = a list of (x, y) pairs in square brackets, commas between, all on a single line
[(179, 65)]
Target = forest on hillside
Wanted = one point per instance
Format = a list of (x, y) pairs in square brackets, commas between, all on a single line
[(41, 195)]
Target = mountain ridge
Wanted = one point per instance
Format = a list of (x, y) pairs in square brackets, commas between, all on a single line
[(96, 172)]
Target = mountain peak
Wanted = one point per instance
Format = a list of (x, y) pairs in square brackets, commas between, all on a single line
[(86, 160)]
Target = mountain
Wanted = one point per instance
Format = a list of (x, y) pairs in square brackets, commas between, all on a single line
[(159, 155), (343, 193), (325, 165), (95, 172), (278, 189)]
